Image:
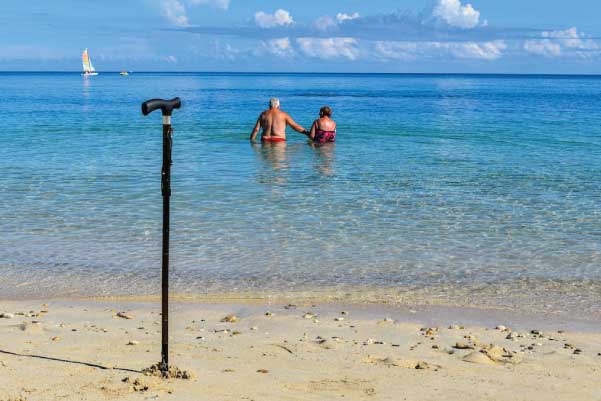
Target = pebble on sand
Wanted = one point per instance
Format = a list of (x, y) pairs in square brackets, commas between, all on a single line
[(6, 315), (262, 371), (229, 319), (429, 331), (136, 384), (124, 315), (133, 342), (174, 372), (422, 365), (309, 315)]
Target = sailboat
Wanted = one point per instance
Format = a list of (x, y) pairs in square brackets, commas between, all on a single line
[(88, 68)]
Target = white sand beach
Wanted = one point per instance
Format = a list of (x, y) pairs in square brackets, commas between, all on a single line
[(81, 350)]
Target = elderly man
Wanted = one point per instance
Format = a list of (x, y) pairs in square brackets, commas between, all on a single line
[(274, 122)]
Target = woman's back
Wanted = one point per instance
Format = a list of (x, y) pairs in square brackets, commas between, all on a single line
[(326, 124), (324, 128)]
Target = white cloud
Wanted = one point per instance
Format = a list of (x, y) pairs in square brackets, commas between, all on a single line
[(279, 47), (544, 47), (556, 43), (407, 50), (341, 17), (456, 14), (478, 50), (329, 48), (222, 4), (171, 59), (279, 18), (325, 23), (175, 12), (403, 51), (224, 51)]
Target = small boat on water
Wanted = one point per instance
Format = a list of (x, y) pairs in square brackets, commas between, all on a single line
[(88, 67), (124, 73)]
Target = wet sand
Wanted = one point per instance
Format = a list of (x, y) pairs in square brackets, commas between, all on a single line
[(83, 350)]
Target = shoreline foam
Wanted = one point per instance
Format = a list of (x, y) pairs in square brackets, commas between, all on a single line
[(562, 299)]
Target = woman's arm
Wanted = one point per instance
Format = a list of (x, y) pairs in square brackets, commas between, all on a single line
[(313, 129)]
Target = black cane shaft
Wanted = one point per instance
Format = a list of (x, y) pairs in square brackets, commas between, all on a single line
[(166, 107), (166, 191)]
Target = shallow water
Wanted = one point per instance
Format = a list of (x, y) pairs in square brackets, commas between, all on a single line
[(436, 181)]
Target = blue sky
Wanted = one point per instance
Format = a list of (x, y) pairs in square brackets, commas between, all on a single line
[(509, 36)]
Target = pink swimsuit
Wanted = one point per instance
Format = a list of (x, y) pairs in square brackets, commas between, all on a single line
[(322, 136)]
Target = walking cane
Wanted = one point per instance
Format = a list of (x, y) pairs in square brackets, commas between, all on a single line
[(166, 107)]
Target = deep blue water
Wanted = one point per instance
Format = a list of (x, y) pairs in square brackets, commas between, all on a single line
[(449, 180)]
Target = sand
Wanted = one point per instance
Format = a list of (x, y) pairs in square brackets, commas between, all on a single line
[(82, 350)]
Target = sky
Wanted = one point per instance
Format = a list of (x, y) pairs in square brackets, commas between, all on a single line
[(420, 36)]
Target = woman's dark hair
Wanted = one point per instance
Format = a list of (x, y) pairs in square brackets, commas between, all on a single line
[(325, 111)]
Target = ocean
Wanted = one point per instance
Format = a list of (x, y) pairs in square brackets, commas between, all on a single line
[(455, 189)]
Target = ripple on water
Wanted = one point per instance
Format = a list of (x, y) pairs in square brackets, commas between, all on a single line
[(479, 190)]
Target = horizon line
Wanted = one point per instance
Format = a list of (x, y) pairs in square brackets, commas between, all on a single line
[(303, 72)]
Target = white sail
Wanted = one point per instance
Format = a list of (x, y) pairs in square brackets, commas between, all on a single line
[(85, 61)]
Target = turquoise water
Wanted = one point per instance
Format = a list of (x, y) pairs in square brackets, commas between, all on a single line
[(457, 183)]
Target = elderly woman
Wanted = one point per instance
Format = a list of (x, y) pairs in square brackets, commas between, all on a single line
[(324, 128)]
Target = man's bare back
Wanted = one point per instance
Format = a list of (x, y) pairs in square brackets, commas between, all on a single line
[(273, 123)]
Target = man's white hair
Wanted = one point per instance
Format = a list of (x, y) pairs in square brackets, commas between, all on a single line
[(274, 103)]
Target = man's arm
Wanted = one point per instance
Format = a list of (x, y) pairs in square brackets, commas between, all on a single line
[(253, 135), (295, 126)]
